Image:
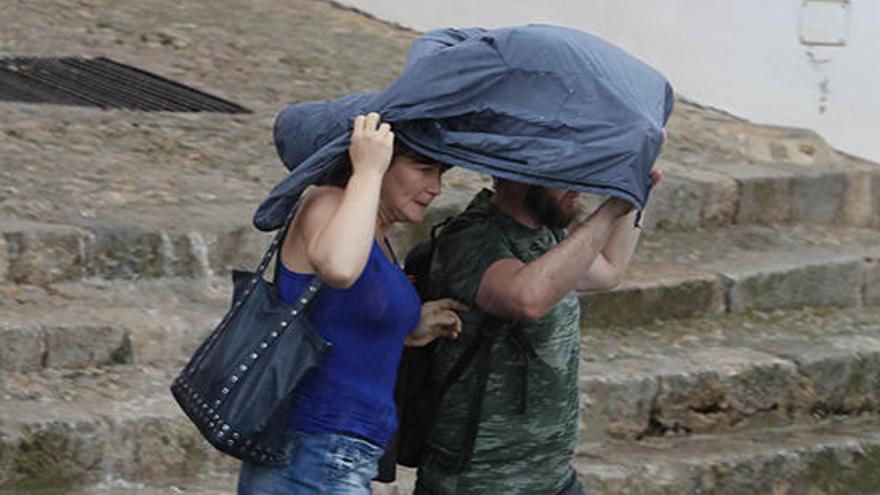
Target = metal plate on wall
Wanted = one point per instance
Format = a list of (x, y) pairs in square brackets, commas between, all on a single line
[(825, 22), (103, 83)]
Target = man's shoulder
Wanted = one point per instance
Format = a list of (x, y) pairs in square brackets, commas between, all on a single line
[(467, 229), (465, 248)]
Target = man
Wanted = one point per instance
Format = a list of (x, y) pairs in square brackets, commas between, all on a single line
[(508, 257)]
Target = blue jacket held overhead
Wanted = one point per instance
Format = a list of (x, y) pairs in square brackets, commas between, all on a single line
[(539, 104)]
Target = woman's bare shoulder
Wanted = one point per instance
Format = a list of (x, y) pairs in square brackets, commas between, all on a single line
[(316, 208), (319, 203)]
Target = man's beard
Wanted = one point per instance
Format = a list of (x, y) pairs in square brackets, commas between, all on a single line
[(547, 210)]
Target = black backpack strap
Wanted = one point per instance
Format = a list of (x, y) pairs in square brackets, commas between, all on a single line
[(483, 357), (480, 353), (418, 261), (458, 368), (525, 352), (417, 266), (479, 349)]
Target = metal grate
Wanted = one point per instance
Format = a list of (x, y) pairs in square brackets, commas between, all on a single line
[(101, 82)]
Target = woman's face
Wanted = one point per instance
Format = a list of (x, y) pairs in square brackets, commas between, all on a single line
[(408, 188)]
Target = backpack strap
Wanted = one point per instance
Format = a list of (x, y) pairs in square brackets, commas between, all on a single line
[(483, 357), (417, 361), (460, 365), (480, 353), (525, 352)]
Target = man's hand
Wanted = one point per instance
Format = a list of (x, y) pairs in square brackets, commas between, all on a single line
[(439, 319), (656, 175), (616, 207)]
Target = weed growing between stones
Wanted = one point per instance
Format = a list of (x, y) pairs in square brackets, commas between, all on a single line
[(856, 476), (37, 465)]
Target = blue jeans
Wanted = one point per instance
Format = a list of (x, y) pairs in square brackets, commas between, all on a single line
[(320, 463)]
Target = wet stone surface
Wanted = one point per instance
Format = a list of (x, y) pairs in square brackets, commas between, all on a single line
[(700, 374)]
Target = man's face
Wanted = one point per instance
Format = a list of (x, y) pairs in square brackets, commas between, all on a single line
[(553, 207)]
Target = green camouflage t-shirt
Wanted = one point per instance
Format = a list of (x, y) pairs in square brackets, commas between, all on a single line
[(514, 453)]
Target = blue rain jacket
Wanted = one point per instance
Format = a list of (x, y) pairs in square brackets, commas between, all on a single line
[(539, 104)]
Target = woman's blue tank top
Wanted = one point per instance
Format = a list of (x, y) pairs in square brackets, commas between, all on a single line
[(352, 390)]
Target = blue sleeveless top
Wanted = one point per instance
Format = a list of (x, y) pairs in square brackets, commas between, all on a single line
[(352, 390)]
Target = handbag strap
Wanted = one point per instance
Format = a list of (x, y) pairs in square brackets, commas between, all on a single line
[(277, 242), (314, 286), (301, 304)]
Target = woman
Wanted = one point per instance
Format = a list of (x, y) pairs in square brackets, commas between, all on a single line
[(344, 411)]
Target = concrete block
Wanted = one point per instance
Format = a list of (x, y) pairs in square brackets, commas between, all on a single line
[(170, 339), (872, 283), (875, 189), (764, 200), (675, 204), (818, 197), (43, 255), (798, 278), (242, 246), (652, 292), (23, 346), (44, 450), (720, 199), (719, 194), (616, 399), (126, 252), (831, 458), (725, 388), (4, 260), (860, 200), (840, 375), (765, 193), (84, 345), (862, 391)]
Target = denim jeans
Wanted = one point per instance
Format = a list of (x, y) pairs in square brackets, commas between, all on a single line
[(573, 487), (321, 463)]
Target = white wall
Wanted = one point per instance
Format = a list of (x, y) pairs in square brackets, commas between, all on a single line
[(742, 56)]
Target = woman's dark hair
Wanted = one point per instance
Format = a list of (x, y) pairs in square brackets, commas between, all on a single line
[(339, 173)]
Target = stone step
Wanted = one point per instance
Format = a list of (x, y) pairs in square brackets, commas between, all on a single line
[(729, 373), (742, 268), (675, 275), (85, 324), (733, 374), (835, 457), (40, 254), (86, 336), (63, 430), (716, 193), (702, 192), (215, 484), (209, 240), (195, 243)]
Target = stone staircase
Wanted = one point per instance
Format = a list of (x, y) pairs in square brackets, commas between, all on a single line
[(95, 321), (741, 355)]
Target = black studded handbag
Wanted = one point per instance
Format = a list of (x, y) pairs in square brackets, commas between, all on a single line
[(236, 387)]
